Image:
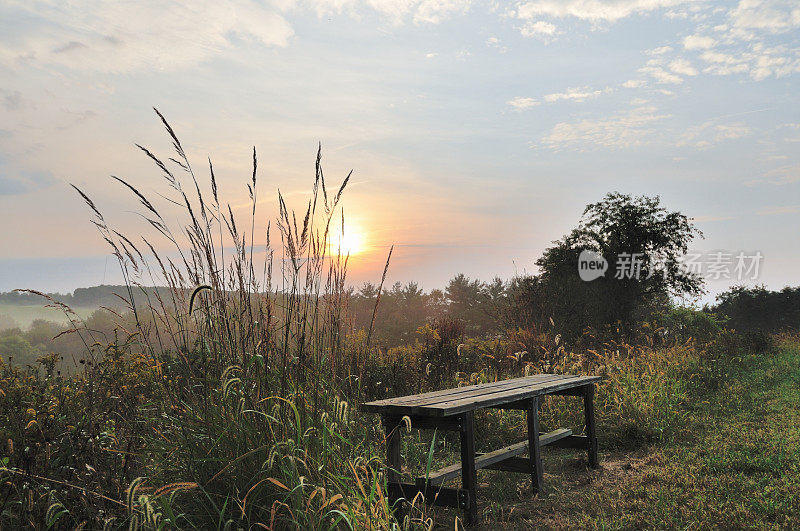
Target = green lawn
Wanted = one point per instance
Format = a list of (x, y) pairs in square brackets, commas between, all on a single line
[(737, 465)]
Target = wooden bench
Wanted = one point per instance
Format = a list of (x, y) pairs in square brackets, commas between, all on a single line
[(454, 409)]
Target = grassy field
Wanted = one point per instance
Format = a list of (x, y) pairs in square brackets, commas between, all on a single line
[(12, 315), (229, 399), (736, 465)]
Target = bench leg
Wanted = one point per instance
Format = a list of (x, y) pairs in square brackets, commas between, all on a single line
[(469, 475), (534, 446), (588, 408), (392, 426)]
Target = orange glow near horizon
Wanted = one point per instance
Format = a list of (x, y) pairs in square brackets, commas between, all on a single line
[(352, 242)]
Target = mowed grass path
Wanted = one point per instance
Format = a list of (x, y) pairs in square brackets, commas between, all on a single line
[(737, 465)]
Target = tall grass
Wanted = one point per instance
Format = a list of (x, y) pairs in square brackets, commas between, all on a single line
[(230, 399), (246, 417)]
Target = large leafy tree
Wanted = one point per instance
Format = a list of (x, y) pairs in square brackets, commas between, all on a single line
[(642, 243)]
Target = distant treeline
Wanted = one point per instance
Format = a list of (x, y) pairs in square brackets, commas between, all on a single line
[(758, 308), (627, 306), (93, 297), (482, 309)]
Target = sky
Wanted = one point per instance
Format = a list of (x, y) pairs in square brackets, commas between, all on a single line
[(477, 131)]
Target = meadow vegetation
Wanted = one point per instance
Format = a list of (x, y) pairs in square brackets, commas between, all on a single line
[(229, 398)]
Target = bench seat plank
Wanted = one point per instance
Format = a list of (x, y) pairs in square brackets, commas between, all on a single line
[(467, 390), (468, 398)]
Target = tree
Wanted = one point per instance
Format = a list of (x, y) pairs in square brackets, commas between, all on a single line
[(757, 308), (641, 242), (15, 350)]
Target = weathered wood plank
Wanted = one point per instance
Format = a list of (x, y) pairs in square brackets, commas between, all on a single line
[(588, 408), (521, 465), (439, 496), (419, 422), (392, 426), (460, 392), (475, 399), (580, 442), (469, 475), (474, 391), (469, 404), (454, 390), (486, 460)]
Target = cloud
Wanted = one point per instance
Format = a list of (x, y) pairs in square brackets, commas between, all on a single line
[(592, 10), (672, 14), (397, 11), (523, 103), (773, 16), (571, 94), (538, 28), (660, 75), (783, 175), (683, 67), (434, 11), (9, 186), (709, 133), (12, 100), (634, 83), (660, 50), (574, 94), (760, 62), (25, 182), (622, 130), (709, 218), (494, 42), (698, 42), (70, 46), (779, 211), (127, 36)]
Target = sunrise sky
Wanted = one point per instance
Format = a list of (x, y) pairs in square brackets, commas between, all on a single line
[(477, 131)]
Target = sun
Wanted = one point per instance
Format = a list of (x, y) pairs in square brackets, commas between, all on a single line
[(352, 242)]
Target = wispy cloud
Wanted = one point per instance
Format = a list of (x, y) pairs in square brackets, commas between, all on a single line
[(634, 83), (661, 76), (711, 218), (126, 36), (419, 11), (698, 42), (779, 211), (661, 50), (683, 67), (575, 94), (523, 103), (591, 10), (709, 133), (538, 28), (23, 182), (780, 176), (618, 131), (774, 16)]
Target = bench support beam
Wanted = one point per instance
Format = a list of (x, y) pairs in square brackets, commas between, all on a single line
[(489, 459), (438, 496)]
